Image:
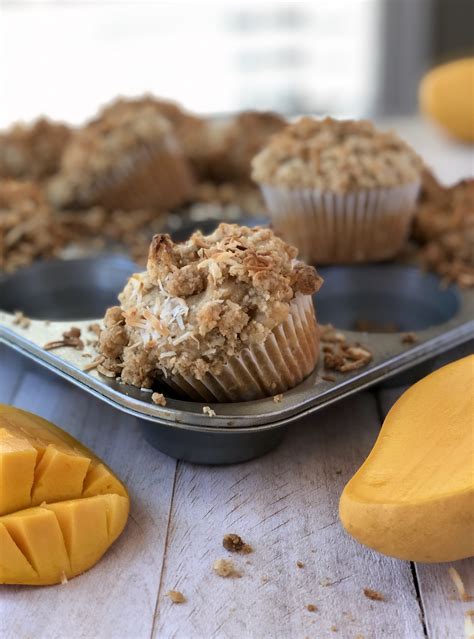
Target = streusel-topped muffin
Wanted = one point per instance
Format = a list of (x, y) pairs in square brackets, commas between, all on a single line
[(32, 151), (226, 317), (128, 159), (340, 190)]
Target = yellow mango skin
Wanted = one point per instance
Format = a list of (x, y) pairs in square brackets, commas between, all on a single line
[(446, 95), (413, 497), (61, 507)]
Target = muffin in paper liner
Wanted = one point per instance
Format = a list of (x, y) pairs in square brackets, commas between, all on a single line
[(153, 177), (330, 227), (283, 360)]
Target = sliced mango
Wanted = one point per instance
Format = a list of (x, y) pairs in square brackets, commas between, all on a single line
[(61, 507), (413, 498)]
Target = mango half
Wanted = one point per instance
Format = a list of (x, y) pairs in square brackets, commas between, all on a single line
[(61, 507), (413, 497)]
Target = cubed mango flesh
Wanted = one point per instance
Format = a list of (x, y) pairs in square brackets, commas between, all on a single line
[(61, 507)]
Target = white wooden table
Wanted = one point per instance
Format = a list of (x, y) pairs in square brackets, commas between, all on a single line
[(284, 505)]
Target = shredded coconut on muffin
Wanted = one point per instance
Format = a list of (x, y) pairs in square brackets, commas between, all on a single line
[(335, 155), (201, 302), (107, 149)]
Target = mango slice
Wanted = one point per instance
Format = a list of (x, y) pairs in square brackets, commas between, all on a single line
[(447, 97), (413, 497), (61, 507)]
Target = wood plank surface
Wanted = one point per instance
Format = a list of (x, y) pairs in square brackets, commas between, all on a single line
[(285, 505), (445, 614), (116, 599)]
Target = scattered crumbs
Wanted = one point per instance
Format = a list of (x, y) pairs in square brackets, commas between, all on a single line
[(225, 568), (105, 371), (159, 399), (176, 596), (458, 582), (328, 378), (95, 328), (21, 320), (334, 628), (63, 578), (409, 338), (235, 543), (339, 355), (278, 398), (325, 582), (94, 364), (300, 564), (264, 579), (373, 594), (207, 410), (71, 338), (311, 608)]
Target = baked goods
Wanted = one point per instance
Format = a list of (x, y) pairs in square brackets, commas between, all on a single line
[(340, 190), (444, 225), (230, 145), (127, 159), (27, 226), (223, 317), (32, 151)]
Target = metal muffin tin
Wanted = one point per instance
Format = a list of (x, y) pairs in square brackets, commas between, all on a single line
[(58, 295)]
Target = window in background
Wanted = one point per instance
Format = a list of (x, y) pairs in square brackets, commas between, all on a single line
[(65, 58)]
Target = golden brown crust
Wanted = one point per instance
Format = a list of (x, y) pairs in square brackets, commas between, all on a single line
[(33, 150), (202, 301), (335, 155)]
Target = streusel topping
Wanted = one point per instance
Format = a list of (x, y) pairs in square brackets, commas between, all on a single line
[(201, 302), (335, 155), (106, 149)]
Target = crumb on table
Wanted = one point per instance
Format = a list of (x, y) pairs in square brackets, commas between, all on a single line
[(311, 608), (373, 594), (225, 568), (21, 320), (235, 543), (176, 596), (300, 564)]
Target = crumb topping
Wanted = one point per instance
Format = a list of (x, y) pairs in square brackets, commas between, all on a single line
[(336, 155), (33, 150), (202, 301), (444, 225)]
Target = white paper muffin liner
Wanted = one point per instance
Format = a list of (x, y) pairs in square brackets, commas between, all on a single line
[(283, 360), (328, 227)]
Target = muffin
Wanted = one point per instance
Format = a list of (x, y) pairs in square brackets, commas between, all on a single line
[(230, 145), (128, 159), (339, 190), (223, 317), (189, 129), (32, 151)]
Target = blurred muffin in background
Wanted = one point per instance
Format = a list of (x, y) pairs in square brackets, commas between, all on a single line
[(32, 151), (444, 226), (339, 190), (189, 129), (231, 144), (27, 228), (128, 158)]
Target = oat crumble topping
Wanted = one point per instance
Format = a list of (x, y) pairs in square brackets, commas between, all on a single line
[(235, 543), (159, 399), (336, 155), (225, 568), (201, 302)]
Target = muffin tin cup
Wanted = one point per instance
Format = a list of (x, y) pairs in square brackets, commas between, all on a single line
[(327, 227), (75, 292), (286, 357)]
